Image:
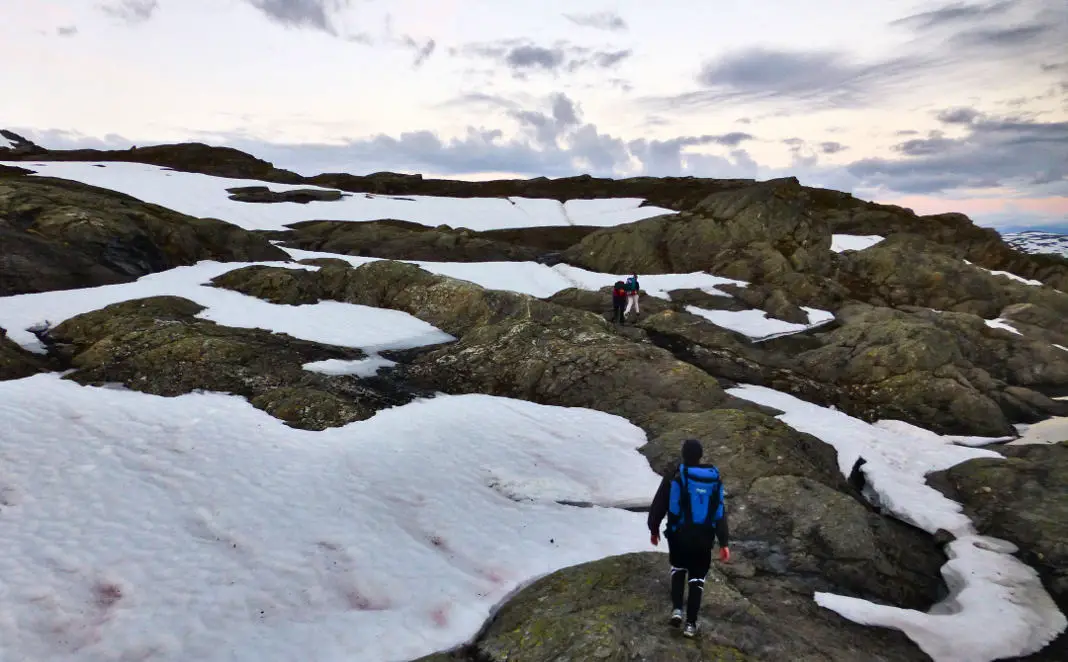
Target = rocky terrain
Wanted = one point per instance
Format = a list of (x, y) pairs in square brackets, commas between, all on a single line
[(925, 331)]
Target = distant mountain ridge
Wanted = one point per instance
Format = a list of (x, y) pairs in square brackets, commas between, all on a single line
[(1038, 242)]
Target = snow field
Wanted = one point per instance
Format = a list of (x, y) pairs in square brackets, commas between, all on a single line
[(6, 143), (206, 196), (330, 322), (853, 242), (998, 607), (539, 280), (199, 528)]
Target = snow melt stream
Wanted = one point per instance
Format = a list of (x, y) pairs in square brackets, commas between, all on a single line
[(997, 606)]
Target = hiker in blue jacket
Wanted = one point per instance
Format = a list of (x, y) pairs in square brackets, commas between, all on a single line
[(692, 500)]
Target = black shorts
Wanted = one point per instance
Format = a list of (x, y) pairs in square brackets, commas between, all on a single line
[(696, 560)]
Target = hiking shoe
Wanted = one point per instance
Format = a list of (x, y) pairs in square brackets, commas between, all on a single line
[(676, 618), (690, 630)]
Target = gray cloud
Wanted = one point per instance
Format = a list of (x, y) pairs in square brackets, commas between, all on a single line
[(804, 79), (958, 115), (422, 51), (314, 14), (131, 11), (600, 20), (954, 14), (1012, 37), (67, 31), (1024, 154), (524, 56), (832, 147)]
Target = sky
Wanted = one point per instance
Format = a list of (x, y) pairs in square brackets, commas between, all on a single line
[(934, 106)]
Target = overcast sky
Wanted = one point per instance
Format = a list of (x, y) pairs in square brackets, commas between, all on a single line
[(939, 107)]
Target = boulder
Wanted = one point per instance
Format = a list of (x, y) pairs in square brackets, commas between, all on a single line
[(893, 365), (401, 240), (16, 363), (263, 194), (60, 234), (616, 610), (157, 345)]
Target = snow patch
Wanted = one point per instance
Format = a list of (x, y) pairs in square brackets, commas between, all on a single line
[(1050, 431), (5, 143), (998, 607), (199, 528), (368, 367), (757, 325), (1011, 276), (329, 322), (853, 242), (206, 196), (1060, 347), (539, 280), (1001, 323)]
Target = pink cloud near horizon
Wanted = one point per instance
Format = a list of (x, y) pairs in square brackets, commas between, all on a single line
[(1055, 207)]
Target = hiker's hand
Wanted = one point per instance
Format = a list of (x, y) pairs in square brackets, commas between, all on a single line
[(725, 554), (654, 538)]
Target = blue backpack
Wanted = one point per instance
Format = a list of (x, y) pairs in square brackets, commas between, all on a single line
[(696, 505), (632, 285)]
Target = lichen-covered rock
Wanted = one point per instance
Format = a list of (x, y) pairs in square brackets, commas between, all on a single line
[(263, 194), (510, 344), (158, 346), (616, 610), (60, 234)]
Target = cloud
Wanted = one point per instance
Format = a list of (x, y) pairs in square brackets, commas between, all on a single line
[(422, 51), (819, 78), (315, 14), (995, 152), (131, 11), (958, 115), (832, 147), (598, 20), (523, 56), (953, 14), (67, 31)]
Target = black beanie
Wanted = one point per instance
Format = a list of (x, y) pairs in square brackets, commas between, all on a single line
[(691, 451)]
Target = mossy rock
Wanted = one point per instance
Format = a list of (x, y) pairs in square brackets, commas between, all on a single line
[(616, 609)]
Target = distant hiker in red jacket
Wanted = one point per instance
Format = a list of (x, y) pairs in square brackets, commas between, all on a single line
[(692, 500), (619, 299), (633, 288)]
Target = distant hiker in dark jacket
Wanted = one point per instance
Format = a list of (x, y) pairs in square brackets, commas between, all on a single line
[(619, 300), (692, 500), (633, 288)]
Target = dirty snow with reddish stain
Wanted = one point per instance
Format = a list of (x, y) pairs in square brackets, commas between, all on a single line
[(139, 527)]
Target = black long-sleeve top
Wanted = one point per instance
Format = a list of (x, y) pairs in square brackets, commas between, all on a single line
[(659, 509)]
